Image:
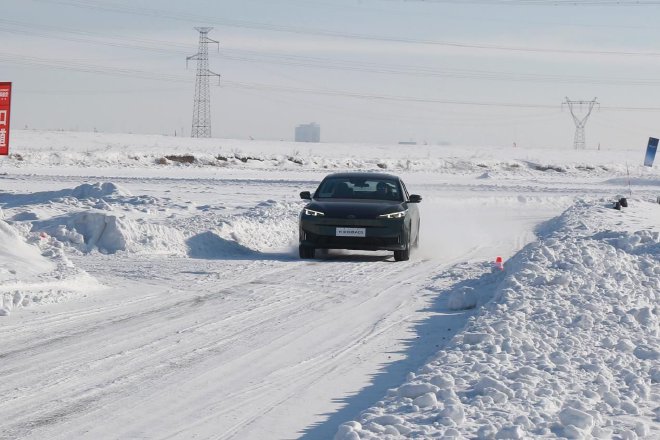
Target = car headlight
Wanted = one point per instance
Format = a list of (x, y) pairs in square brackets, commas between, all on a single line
[(399, 214), (313, 213)]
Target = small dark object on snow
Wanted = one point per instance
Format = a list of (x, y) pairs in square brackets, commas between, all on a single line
[(617, 205), (624, 202)]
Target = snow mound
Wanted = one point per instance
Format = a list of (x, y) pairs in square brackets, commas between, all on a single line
[(97, 190), (19, 259), (86, 195), (567, 347), (36, 271), (107, 219), (639, 242), (208, 245), (475, 292), (108, 233), (271, 225)]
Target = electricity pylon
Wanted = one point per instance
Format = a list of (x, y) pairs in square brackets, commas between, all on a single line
[(579, 141), (201, 123)]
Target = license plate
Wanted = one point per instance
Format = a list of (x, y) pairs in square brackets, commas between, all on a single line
[(351, 232)]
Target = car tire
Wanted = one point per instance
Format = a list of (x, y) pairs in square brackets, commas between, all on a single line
[(403, 255), (306, 252)]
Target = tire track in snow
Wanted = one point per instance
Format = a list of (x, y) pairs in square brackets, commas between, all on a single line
[(131, 323), (310, 370), (33, 365), (275, 304)]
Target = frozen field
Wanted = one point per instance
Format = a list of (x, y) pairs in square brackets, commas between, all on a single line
[(150, 297)]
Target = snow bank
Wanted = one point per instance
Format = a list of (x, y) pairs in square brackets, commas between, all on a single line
[(86, 195), (36, 271), (567, 344), (104, 217), (97, 190), (19, 259), (97, 216), (208, 245), (109, 233), (50, 149), (271, 225)]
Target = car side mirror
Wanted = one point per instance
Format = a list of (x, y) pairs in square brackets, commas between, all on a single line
[(414, 198), (305, 195)]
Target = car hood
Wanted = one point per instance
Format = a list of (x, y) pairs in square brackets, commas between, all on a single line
[(359, 208)]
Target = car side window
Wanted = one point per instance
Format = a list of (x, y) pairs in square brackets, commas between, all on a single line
[(405, 190)]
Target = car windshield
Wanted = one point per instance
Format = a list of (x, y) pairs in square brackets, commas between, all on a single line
[(359, 188)]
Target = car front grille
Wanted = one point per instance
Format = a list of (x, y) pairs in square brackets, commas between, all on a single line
[(348, 242)]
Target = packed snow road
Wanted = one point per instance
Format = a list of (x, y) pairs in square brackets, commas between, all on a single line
[(233, 346), (245, 345)]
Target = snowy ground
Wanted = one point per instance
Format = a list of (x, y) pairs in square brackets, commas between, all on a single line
[(147, 297)]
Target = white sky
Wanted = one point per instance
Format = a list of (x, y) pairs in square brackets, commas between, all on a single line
[(119, 66)]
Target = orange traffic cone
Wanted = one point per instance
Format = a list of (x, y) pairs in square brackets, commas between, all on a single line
[(499, 263)]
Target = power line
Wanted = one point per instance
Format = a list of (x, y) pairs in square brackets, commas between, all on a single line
[(167, 47), (86, 37), (187, 17), (356, 66), (78, 66), (70, 92), (72, 65)]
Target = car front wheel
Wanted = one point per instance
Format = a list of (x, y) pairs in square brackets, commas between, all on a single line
[(306, 252), (403, 255)]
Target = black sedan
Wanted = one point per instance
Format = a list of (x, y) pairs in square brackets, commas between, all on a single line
[(362, 211)]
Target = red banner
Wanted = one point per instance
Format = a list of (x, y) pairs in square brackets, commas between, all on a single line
[(5, 107)]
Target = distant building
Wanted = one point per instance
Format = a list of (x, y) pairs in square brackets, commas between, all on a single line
[(407, 143), (308, 133)]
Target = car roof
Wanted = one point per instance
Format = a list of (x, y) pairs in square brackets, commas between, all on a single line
[(362, 174)]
